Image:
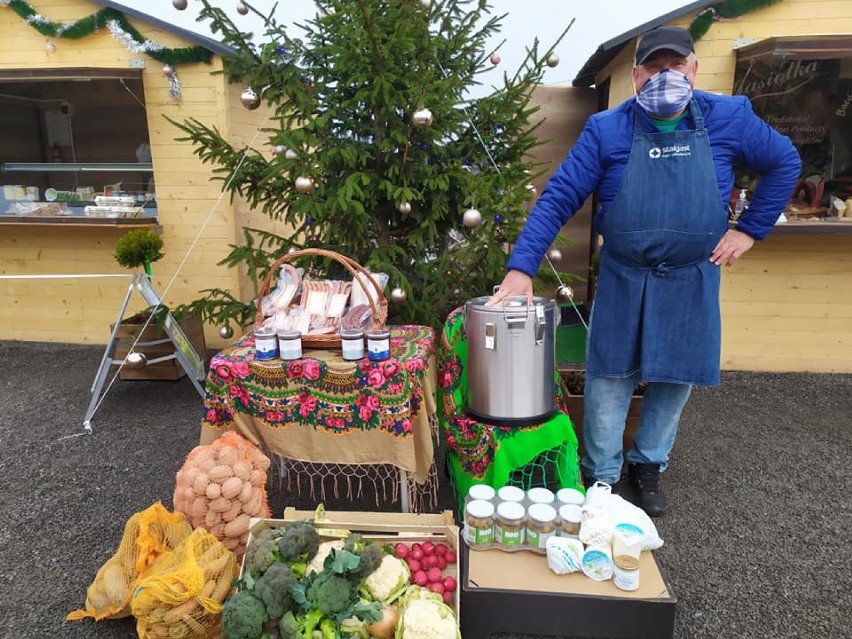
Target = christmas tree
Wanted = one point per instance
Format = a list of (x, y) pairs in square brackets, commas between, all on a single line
[(380, 152)]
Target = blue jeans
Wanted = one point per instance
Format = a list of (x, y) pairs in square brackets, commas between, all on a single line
[(605, 405)]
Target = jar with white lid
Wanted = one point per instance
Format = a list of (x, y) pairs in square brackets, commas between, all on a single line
[(541, 524), (570, 496), (479, 522), (265, 344), (570, 517), (378, 344), (481, 491), (510, 493), (540, 495), (510, 524)]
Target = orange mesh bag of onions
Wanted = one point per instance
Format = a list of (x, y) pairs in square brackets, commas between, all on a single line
[(221, 486), (147, 535), (182, 594)]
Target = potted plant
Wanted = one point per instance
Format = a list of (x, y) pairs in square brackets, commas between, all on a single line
[(144, 331)]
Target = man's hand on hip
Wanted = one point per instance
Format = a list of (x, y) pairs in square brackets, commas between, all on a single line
[(731, 247), (515, 283)]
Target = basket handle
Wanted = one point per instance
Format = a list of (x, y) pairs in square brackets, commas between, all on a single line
[(380, 312)]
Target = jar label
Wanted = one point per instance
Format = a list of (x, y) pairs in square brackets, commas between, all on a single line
[(379, 349), (352, 349), (266, 348), (626, 579), (290, 348), (479, 535), (510, 537)]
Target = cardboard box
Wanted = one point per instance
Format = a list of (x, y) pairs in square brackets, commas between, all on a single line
[(515, 592), (382, 528)]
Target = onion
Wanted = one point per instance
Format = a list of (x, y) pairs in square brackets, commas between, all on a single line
[(386, 626)]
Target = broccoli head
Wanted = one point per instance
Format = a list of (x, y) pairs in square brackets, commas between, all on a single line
[(299, 543), (370, 554), (243, 616), (262, 552), (299, 627), (273, 588), (330, 593)]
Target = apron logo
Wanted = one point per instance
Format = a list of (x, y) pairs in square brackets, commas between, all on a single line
[(677, 150)]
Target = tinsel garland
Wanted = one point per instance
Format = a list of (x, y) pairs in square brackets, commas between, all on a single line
[(726, 10), (118, 26)]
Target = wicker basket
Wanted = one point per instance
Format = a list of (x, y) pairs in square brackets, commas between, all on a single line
[(325, 340)]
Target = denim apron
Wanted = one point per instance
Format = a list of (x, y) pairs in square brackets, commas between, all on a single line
[(656, 306)]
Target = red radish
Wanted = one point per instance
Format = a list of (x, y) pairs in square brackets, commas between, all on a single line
[(416, 553), (448, 598), (416, 545), (420, 578), (450, 583), (434, 575), (413, 565), (451, 557), (442, 561), (430, 561), (401, 550), (428, 547), (437, 587), (440, 549)]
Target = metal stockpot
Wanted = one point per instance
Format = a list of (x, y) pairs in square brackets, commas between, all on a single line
[(511, 359)]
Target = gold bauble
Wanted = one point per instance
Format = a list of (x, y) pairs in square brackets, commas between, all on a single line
[(564, 293), (423, 117), (135, 361), (250, 99), (304, 185)]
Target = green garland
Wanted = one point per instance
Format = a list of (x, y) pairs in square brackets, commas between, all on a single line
[(728, 9), (98, 20)]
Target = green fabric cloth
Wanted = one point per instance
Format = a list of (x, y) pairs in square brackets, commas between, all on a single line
[(495, 454)]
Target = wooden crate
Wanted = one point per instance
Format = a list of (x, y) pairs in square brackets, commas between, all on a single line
[(382, 528), (154, 344)]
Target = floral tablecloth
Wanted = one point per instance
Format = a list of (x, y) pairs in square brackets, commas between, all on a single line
[(492, 453), (327, 410)]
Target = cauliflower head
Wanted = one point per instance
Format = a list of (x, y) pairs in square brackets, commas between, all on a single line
[(388, 579), (323, 551), (428, 619)]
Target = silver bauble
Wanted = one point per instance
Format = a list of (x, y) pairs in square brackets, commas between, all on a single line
[(426, 3), (290, 154), (135, 361), (180, 5), (304, 185), (472, 218), (423, 117), (168, 70), (531, 191), (398, 295), (242, 9), (250, 99), (495, 58), (405, 208), (292, 250), (564, 293), (226, 332), (280, 149), (51, 48), (554, 255), (552, 60)]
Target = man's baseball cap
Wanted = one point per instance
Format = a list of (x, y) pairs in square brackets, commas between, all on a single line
[(664, 39)]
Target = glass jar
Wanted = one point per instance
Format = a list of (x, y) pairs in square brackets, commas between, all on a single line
[(265, 344), (289, 344), (570, 516), (541, 524), (540, 496), (510, 524), (510, 493), (479, 522), (625, 573), (570, 496), (378, 344), (352, 344)]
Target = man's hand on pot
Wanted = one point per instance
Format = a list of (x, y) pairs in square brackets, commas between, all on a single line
[(731, 247), (515, 283)]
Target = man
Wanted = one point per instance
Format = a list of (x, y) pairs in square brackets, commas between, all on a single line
[(661, 164)]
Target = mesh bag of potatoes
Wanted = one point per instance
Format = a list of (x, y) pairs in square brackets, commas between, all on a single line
[(147, 535), (182, 594), (221, 486)]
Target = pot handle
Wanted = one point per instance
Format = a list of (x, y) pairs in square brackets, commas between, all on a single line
[(540, 324)]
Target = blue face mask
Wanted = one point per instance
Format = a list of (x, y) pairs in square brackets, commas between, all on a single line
[(665, 93)]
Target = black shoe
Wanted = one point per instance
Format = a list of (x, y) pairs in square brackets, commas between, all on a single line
[(646, 480)]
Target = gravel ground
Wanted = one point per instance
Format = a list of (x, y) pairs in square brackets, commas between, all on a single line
[(757, 534)]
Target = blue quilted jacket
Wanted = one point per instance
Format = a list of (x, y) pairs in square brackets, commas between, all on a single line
[(597, 161)]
